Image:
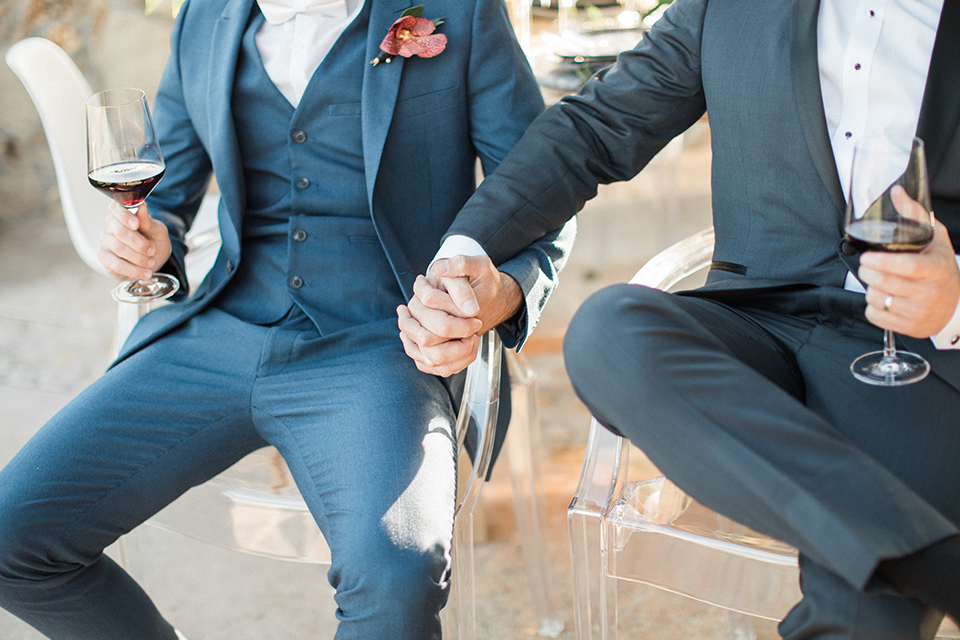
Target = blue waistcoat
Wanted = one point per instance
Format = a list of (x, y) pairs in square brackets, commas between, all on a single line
[(307, 236)]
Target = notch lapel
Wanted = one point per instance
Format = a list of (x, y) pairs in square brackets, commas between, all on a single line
[(805, 71), (381, 84), (940, 111), (225, 149)]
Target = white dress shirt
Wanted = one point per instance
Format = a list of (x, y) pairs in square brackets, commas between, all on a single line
[(874, 56), (296, 36)]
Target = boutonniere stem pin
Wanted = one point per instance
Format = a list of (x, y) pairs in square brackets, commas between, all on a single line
[(411, 35)]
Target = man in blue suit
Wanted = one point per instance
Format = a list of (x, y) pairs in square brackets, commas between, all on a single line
[(338, 179), (740, 391)]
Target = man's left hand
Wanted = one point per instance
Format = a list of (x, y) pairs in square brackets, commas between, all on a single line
[(919, 290)]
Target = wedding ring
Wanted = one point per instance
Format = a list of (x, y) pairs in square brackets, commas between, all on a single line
[(887, 302)]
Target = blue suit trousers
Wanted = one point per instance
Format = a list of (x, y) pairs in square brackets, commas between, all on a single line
[(368, 439)]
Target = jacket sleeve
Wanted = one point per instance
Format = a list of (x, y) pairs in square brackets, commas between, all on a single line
[(504, 99), (177, 198), (608, 132)]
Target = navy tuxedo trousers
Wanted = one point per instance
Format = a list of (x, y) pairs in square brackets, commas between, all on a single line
[(750, 407), (368, 439)]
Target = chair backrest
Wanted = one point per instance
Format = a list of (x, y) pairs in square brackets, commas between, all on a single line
[(58, 90)]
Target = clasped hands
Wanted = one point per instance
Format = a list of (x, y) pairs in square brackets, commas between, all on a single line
[(913, 294), (458, 300)]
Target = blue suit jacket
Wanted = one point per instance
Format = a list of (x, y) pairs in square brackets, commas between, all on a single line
[(424, 123)]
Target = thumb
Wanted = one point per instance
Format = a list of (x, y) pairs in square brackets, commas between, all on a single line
[(462, 294), (149, 226), (461, 266), (143, 218)]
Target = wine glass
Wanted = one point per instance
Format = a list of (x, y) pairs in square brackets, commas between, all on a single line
[(874, 223), (124, 162)]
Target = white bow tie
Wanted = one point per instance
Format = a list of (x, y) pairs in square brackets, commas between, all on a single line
[(279, 11)]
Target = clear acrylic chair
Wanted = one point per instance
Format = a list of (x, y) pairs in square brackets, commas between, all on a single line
[(625, 529), (253, 509)]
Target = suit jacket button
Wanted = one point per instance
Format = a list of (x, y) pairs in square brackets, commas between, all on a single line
[(296, 282), (302, 183), (229, 267), (299, 235), (299, 137)]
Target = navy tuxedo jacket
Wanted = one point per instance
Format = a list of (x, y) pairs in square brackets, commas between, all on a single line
[(777, 200), (424, 123)]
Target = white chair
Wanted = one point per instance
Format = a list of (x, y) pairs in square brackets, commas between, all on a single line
[(58, 90), (647, 531), (252, 508)]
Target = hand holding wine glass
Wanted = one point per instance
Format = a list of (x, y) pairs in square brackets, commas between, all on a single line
[(124, 161), (133, 246), (889, 210)]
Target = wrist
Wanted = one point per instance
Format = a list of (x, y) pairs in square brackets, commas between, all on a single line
[(510, 300)]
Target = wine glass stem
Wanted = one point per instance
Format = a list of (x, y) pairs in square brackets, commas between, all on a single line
[(889, 344)]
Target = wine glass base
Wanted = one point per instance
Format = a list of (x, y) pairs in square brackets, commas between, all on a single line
[(159, 287), (890, 371)]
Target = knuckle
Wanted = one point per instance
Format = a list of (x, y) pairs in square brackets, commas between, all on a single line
[(432, 298)]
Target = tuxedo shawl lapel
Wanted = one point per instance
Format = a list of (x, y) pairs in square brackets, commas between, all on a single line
[(225, 150), (940, 111), (805, 71), (381, 84)]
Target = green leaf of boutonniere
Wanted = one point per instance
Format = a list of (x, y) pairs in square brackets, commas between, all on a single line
[(416, 11)]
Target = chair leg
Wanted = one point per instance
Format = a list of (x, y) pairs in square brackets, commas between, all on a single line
[(478, 411), (585, 552), (522, 448), (608, 583), (460, 616)]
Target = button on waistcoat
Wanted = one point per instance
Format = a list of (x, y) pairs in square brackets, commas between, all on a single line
[(307, 237)]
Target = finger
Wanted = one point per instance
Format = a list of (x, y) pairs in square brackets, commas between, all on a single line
[(450, 358), (413, 350), (886, 283), (473, 268), (130, 229), (461, 266), (463, 296), (453, 356), (123, 215), (432, 296), (128, 244), (119, 268), (895, 264), (907, 206), (151, 228), (889, 320), (883, 301), (415, 332), (440, 325)]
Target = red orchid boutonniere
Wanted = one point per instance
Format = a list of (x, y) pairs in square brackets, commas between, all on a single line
[(411, 35)]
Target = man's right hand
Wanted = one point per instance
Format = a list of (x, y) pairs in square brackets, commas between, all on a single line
[(133, 246)]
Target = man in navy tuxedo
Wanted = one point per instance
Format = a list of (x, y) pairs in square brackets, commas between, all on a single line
[(338, 178), (740, 391)]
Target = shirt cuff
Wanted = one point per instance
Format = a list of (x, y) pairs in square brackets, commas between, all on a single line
[(949, 337), (458, 246)]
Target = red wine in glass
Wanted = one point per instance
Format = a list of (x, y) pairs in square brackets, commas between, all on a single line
[(129, 183), (886, 235), (124, 162)]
